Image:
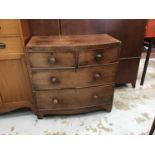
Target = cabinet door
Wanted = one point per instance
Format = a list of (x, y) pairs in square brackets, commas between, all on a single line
[(14, 85)]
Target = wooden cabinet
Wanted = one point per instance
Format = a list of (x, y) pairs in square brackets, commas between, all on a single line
[(15, 89), (83, 83)]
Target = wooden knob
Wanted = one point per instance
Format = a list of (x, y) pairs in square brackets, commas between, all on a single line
[(52, 60), (53, 79), (99, 56), (95, 97), (97, 75), (55, 101)]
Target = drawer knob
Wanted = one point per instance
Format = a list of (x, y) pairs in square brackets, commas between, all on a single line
[(95, 97), (2, 45), (53, 79), (55, 101), (99, 56), (97, 75), (52, 60)]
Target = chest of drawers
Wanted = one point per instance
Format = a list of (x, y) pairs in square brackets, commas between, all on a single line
[(72, 74)]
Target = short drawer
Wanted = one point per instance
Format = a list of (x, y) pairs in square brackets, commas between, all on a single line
[(68, 78), (74, 98), (98, 56), (10, 45), (51, 59), (9, 27)]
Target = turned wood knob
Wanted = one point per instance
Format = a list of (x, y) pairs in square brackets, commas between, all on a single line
[(97, 75), (95, 97), (52, 60), (99, 56), (53, 79), (55, 101)]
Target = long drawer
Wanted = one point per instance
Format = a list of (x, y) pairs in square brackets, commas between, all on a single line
[(69, 78), (74, 98), (10, 45)]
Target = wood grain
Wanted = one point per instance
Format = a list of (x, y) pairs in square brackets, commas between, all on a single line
[(129, 31), (24, 30), (66, 98), (14, 85), (68, 78), (98, 56), (72, 41), (14, 81), (44, 26), (9, 27), (13, 45), (127, 71), (60, 90), (44, 59)]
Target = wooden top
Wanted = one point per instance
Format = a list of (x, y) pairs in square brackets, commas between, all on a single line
[(71, 41)]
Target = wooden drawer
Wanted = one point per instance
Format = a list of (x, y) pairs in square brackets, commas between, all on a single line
[(68, 78), (74, 98), (10, 45), (9, 27), (99, 56), (51, 59)]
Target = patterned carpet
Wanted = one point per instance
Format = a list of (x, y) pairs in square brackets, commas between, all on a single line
[(133, 112)]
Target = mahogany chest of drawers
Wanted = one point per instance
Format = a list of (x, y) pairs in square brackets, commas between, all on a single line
[(72, 74)]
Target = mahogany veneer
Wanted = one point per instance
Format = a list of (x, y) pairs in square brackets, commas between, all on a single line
[(73, 74)]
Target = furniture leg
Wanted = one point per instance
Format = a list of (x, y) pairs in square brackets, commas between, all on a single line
[(108, 108), (152, 128), (146, 64), (40, 116), (134, 85)]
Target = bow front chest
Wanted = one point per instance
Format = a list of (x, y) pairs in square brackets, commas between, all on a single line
[(72, 74)]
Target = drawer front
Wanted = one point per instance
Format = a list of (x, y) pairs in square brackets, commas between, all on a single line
[(74, 98), (57, 79), (10, 45), (52, 60), (9, 27), (98, 56)]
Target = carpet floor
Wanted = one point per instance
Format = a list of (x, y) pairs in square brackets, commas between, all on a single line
[(132, 114)]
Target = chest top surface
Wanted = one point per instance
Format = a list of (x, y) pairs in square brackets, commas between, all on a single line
[(71, 41)]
